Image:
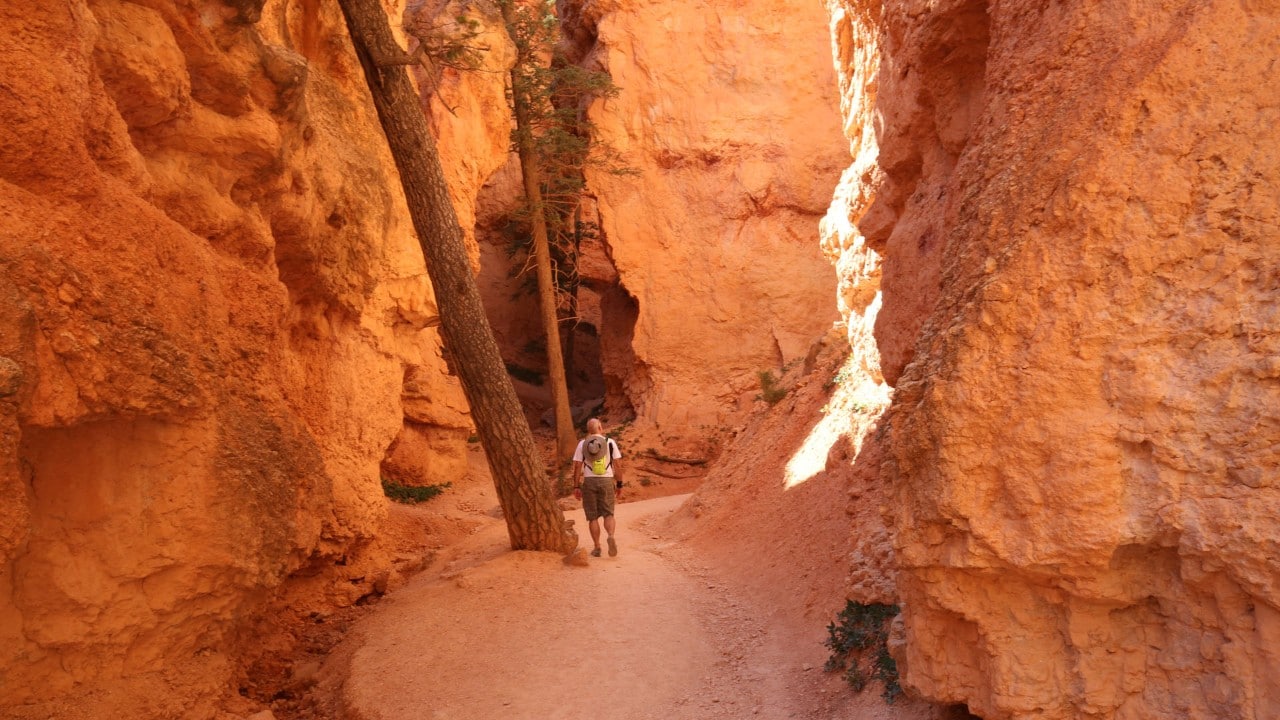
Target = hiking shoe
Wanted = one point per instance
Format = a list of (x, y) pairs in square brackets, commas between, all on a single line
[(595, 553), (613, 548)]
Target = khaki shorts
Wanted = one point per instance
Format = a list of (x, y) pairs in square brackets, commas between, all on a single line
[(597, 497)]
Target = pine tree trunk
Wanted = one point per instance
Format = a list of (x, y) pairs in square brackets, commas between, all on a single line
[(566, 437), (534, 520), (572, 290)]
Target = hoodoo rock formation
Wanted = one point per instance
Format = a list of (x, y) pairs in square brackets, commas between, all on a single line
[(1073, 209), (728, 115), (211, 305)]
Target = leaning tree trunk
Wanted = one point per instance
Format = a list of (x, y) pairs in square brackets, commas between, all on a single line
[(566, 438), (534, 521)]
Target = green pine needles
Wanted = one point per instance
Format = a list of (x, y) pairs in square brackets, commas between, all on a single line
[(562, 139)]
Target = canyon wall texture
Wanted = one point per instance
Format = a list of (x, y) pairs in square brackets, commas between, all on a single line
[(213, 314), (727, 114), (1075, 211)]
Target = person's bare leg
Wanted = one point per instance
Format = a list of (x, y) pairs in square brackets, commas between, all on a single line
[(609, 525), (594, 526)]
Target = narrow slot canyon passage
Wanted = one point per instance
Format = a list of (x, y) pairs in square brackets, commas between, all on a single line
[(656, 632), (714, 607), (939, 339)]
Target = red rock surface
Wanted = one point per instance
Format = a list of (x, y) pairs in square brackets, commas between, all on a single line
[(1074, 212), (1056, 240), (727, 113), (211, 295)]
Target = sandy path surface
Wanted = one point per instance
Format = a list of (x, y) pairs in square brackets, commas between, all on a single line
[(488, 633)]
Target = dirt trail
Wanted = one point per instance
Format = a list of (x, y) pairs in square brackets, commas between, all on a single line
[(716, 606), (522, 635), (488, 633)]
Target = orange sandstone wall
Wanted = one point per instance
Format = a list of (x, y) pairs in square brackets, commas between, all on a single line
[(727, 113), (1074, 212), (211, 305)]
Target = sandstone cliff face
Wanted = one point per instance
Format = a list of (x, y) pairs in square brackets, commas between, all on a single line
[(727, 113), (1076, 211), (210, 298)]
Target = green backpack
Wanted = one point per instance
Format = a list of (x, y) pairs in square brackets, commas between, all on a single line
[(595, 450)]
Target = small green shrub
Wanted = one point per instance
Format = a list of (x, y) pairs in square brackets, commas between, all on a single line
[(411, 494), (770, 392), (887, 672), (858, 640), (645, 481)]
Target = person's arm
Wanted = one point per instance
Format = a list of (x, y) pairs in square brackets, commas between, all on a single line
[(576, 475), (615, 463)]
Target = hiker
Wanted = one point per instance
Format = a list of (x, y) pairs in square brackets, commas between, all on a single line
[(597, 475)]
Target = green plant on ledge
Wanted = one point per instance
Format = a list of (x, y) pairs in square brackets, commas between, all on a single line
[(411, 494), (859, 643), (770, 392)]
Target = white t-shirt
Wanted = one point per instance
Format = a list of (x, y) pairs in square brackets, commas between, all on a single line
[(614, 453)]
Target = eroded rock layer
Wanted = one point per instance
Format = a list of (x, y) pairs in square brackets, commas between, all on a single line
[(727, 116), (1076, 210), (210, 298)]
